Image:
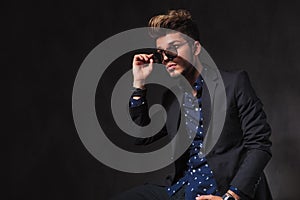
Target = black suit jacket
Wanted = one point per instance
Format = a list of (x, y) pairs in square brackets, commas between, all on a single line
[(241, 150)]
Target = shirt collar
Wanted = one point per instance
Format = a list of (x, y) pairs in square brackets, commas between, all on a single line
[(198, 83)]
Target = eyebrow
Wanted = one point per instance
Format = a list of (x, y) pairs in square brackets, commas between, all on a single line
[(170, 43)]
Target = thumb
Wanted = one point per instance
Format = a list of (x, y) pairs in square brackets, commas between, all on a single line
[(151, 62)]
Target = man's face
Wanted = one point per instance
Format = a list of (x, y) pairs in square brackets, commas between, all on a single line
[(179, 65)]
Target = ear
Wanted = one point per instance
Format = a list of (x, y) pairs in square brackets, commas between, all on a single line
[(197, 48)]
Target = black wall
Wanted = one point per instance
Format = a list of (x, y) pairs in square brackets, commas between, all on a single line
[(45, 43)]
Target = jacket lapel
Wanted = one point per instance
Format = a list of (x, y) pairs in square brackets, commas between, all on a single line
[(208, 95), (213, 102)]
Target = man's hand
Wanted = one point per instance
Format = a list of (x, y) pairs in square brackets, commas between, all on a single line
[(142, 66), (208, 197)]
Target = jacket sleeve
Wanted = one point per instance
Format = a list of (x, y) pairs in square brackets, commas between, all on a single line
[(139, 115), (256, 133)]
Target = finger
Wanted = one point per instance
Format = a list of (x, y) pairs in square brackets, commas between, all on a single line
[(138, 57), (203, 197), (150, 65), (145, 57), (139, 60), (150, 55)]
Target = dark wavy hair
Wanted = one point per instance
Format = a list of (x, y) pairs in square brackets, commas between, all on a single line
[(177, 20)]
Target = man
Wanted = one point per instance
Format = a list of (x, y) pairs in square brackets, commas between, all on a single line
[(233, 169)]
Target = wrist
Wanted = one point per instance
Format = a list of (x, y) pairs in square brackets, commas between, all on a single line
[(139, 84)]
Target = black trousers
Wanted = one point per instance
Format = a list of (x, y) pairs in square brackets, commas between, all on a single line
[(149, 192)]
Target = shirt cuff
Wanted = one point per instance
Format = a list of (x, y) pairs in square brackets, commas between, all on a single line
[(238, 192)]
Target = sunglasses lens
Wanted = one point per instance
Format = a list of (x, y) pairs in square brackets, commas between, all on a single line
[(157, 57), (170, 54)]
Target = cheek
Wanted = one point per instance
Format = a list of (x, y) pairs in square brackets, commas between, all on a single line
[(188, 56), (182, 65), (184, 60)]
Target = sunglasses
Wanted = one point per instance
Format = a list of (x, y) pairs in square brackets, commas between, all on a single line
[(170, 53), (158, 55)]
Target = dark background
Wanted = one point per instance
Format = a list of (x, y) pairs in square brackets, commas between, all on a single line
[(45, 43)]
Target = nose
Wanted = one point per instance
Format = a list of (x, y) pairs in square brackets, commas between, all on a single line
[(165, 58)]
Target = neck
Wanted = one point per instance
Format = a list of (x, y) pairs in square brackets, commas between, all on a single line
[(194, 72)]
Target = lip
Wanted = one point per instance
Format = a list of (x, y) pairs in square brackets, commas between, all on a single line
[(171, 66)]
